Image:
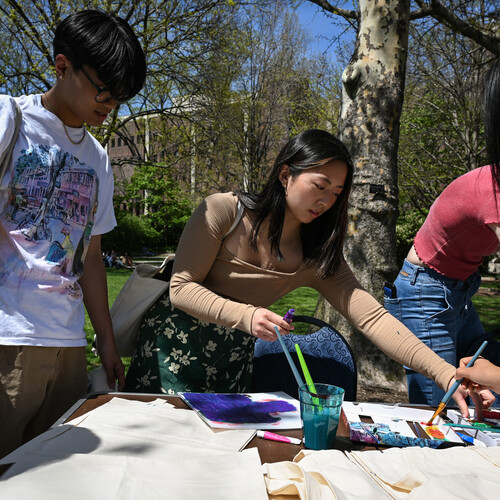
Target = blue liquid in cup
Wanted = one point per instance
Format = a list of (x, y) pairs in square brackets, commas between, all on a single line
[(320, 413), (320, 429)]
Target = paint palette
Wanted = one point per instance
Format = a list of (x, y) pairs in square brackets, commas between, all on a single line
[(394, 425), (487, 432)]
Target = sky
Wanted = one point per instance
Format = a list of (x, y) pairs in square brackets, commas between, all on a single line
[(317, 24), (314, 22)]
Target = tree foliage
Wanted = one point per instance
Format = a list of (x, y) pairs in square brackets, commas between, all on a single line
[(442, 125), (227, 83), (372, 100), (132, 234), (161, 201), (259, 88), (175, 35)]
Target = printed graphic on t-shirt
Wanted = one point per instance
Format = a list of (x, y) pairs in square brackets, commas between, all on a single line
[(49, 214)]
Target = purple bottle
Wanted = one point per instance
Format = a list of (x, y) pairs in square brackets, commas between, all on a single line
[(288, 317)]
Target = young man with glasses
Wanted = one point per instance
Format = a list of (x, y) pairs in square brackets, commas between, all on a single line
[(50, 247)]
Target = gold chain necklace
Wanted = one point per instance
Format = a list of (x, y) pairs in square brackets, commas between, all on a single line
[(65, 129)]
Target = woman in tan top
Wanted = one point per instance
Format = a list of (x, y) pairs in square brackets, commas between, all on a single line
[(239, 253)]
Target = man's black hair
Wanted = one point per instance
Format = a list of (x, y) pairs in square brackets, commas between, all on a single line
[(108, 45)]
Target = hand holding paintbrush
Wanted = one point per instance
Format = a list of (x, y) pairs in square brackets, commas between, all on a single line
[(483, 375), (455, 386)]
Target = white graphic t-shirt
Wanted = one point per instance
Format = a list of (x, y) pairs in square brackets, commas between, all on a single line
[(53, 197)]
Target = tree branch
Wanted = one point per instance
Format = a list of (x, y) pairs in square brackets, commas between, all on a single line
[(346, 14), (435, 9), (445, 16), (31, 31)]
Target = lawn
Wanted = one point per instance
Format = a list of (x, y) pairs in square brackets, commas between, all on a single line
[(304, 301), (487, 305), (116, 279), (305, 297)]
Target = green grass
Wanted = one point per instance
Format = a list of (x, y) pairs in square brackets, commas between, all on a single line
[(488, 307), (303, 300), (116, 279)]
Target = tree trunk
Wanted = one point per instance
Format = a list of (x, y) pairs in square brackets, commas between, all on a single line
[(372, 99)]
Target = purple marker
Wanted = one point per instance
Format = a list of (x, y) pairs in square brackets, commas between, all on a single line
[(288, 317)]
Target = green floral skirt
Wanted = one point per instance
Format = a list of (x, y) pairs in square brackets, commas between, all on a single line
[(176, 352)]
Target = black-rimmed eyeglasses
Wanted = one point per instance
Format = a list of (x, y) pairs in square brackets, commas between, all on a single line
[(103, 94)]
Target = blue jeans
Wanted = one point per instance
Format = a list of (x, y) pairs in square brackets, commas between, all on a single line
[(439, 311)]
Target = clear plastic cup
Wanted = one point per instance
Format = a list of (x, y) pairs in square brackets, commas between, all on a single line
[(320, 413)]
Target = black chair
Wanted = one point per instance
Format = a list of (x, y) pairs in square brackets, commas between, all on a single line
[(327, 354)]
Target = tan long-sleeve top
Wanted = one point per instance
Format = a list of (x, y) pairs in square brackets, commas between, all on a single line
[(214, 285)]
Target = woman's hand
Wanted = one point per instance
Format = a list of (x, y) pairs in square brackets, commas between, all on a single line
[(263, 323), (482, 399), (483, 375)]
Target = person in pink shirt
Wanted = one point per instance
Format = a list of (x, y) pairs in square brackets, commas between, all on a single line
[(433, 291)]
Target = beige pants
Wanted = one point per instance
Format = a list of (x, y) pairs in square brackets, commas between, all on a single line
[(37, 385)]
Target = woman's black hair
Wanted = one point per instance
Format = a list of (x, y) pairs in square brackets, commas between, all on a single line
[(108, 45), (492, 118), (323, 238)]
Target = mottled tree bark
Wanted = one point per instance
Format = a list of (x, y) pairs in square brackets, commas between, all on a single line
[(372, 99)]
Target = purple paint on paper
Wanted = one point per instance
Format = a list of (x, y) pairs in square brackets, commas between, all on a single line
[(237, 408)]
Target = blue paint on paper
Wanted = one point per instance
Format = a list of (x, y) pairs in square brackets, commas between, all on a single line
[(237, 408)]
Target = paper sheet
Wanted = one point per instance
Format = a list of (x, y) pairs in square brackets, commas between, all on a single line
[(271, 411), (163, 422), (123, 427), (187, 475)]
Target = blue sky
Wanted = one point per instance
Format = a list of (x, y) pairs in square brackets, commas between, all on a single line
[(317, 24), (314, 22)]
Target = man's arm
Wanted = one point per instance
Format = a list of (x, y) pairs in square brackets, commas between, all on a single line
[(95, 297)]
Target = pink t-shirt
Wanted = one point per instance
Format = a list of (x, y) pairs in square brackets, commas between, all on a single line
[(455, 236)]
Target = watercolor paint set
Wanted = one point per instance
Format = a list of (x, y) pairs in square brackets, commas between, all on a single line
[(395, 425), (486, 432)]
